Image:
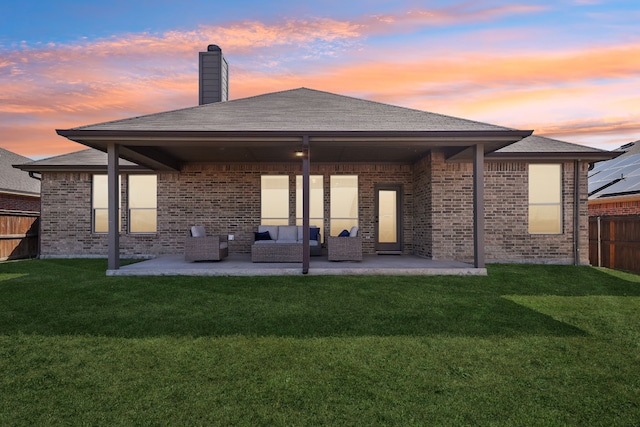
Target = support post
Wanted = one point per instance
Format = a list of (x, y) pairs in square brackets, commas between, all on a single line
[(113, 179), (305, 205), (576, 213), (478, 206)]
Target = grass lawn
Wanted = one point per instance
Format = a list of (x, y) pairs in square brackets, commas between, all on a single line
[(527, 345)]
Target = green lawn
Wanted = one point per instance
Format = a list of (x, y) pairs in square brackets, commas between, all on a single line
[(527, 345)]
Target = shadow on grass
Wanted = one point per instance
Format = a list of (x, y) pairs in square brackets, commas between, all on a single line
[(75, 298)]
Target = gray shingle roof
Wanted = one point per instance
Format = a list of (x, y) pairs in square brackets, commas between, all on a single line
[(295, 110), (14, 180), (541, 144), (88, 159)]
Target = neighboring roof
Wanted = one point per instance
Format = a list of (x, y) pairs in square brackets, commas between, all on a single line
[(535, 146), (13, 180), (631, 148), (296, 110), (616, 177), (84, 160)]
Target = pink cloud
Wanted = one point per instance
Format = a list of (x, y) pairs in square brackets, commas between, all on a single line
[(134, 74)]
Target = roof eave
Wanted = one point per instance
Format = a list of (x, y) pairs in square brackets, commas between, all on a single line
[(556, 155)]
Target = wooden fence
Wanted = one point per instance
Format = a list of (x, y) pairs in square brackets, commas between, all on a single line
[(19, 235), (614, 242)]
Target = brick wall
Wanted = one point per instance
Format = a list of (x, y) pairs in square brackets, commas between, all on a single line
[(507, 238), (621, 208), (225, 198), (422, 209), (20, 203)]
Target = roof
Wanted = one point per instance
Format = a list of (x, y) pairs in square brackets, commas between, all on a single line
[(298, 110), (84, 160), (615, 178), (535, 146), (630, 148), (13, 180), (270, 127)]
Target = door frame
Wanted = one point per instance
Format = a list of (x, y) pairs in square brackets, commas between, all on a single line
[(389, 248)]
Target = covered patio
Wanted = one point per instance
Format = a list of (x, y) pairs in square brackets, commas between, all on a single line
[(241, 265)]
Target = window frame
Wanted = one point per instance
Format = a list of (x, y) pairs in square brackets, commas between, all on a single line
[(353, 221), (314, 220), (531, 226), (130, 209), (274, 220), (106, 196)]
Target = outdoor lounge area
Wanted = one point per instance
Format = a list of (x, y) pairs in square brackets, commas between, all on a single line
[(241, 265)]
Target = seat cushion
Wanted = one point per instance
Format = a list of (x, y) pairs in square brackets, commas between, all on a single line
[(198, 231), (287, 232)]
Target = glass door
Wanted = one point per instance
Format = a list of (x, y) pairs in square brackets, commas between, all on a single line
[(388, 218)]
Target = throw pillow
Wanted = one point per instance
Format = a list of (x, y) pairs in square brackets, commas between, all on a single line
[(313, 233), (262, 236), (344, 233)]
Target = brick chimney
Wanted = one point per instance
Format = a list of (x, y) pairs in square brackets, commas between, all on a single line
[(214, 76)]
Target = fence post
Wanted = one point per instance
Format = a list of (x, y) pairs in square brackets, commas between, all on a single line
[(599, 244)]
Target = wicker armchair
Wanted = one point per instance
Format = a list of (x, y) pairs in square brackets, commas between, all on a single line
[(344, 248), (203, 247)]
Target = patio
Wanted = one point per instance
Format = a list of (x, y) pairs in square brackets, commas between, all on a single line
[(241, 265)]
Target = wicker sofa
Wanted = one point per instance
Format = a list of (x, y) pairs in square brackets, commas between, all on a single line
[(283, 243), (200, 247)]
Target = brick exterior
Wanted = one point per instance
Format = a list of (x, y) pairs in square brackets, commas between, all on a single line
[(225, 198), (19, 203), (619, 208)]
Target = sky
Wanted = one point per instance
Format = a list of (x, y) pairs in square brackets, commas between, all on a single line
[(568, 69)]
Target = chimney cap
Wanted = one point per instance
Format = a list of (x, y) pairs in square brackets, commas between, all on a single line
[(213, 48)]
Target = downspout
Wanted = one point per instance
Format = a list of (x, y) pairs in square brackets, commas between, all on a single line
[(576, 213), (39, 178)]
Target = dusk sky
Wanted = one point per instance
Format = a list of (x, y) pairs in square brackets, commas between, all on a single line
[(568, 69)]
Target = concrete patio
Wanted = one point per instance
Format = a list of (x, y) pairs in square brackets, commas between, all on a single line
[(241, 265)]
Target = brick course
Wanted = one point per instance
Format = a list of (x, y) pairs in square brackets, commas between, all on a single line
[(620, 208), (19, 203)]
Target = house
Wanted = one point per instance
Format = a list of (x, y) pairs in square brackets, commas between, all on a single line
[(19, 208), (614, 211), (415, 182), (614, 185)]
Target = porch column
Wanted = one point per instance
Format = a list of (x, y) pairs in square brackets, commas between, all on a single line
[(113, 173), (305, 205), (478, 206)]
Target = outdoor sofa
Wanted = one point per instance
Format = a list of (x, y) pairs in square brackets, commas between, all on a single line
[(283, 243), (200, 247)]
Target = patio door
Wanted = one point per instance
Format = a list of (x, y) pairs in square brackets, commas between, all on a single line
[(388, 218)]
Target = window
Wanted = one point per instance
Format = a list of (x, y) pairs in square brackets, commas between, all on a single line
[(143, 205), (100, 204), (545, 199), (274, 199), (316, 201), (344, 203)]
